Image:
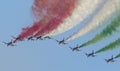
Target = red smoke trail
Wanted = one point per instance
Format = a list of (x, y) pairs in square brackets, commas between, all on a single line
[(49, 15), (62, 10)]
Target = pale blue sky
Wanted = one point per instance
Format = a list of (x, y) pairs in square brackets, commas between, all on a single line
[(46, 55)]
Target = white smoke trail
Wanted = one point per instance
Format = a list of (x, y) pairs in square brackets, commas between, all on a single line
[(109, 8), (83, 9)]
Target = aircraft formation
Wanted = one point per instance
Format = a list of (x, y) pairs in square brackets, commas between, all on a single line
[(76, 48), (69, 15)]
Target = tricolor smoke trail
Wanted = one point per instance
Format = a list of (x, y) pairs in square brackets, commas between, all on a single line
[(109, 30), (111, 46), (106, 11), (53, 17)]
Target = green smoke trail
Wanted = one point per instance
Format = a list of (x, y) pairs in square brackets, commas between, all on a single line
[(117, 56), (110, 46), (109, 30)]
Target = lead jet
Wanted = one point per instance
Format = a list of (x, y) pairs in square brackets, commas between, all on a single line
[(110, 59), (9, 43), (76, 48), (61, 42), (92, 54)]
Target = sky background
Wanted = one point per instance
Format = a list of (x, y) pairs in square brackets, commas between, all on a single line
[(46, 55)]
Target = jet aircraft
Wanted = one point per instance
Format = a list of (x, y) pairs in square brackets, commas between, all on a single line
[(92, 54), (61, 41), (76, 48), (9, 43), (110, 59)]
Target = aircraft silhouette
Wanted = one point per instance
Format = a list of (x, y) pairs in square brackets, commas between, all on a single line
[(30, 38), (39, 37), (47, 37), (110, 59), (76, 48), (9, 43), (92, 54), (61, 41)]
